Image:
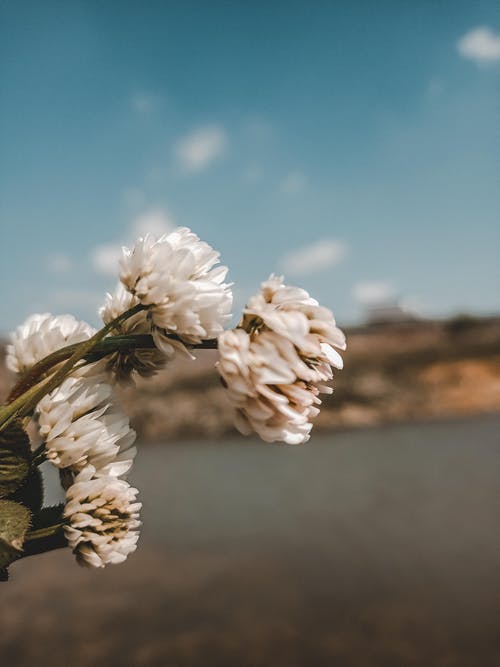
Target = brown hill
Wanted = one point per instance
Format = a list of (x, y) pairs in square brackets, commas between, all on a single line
[(399, 372)]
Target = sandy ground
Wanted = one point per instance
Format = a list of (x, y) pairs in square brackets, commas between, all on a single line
[(377, 547)]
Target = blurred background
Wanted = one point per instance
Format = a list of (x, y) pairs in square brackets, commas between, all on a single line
[(354, 148)]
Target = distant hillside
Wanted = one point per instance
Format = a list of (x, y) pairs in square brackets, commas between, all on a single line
[(398, 372)]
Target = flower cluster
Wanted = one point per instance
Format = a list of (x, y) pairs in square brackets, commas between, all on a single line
[(84, 432), (176, 278), (41, 335), (103, 518), (144, 362), (172, 297), (177, 297), (276, 363)]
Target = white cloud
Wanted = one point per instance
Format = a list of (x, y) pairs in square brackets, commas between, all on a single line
[(59, 263), (313, 258), (373, 293), (414, 304), (197, 150), (143, 103), (481, 45), (105, 257), (293, 183), (155, 221)]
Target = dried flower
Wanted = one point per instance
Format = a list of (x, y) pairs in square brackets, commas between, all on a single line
[(276, 363), (103, 518), (175, 276), (81, 425), (41, 335), (269, 386), (292, 313), (145, 361)]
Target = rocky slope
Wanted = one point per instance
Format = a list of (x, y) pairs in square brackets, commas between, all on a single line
[(414, 371)]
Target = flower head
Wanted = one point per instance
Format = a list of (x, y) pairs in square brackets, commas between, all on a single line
[(41, 335), (103, 518), (293, 314), (269, 386), (144, 361), (175, 276), (81, 425), (276, 363)]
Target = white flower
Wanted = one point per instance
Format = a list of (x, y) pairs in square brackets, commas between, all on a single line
[(146, 361), (103, 518), (292, 313), (269, 386), (175, 276), (81, 426), (41, 335), (276, 363)]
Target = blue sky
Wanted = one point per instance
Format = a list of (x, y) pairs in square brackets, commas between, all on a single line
[(352, 146)]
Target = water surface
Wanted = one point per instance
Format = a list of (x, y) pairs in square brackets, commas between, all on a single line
[(376, 547)]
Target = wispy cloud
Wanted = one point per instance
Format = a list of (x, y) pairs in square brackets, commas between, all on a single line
[(143, 102), (197, 150), (155, 221), (104, 257), (371, 293), (313, 258), (293, 183), (481, 45), (59, 263)]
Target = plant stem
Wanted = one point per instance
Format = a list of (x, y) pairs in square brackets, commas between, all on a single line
[(46, 531), (25, 403), (43, 540), (122, 343), (39, 455)]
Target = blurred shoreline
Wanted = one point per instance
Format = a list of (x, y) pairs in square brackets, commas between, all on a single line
[(393, 373), (413, 371)]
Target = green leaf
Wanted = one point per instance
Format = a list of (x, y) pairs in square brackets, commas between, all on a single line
[(30, 493), (15, 458), (14, 523)]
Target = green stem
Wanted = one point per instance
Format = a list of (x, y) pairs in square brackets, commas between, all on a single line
[(10, 412), (122, 343), (25, 403), (42, 540), (40, 370), (39, 455), (46, 531)]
